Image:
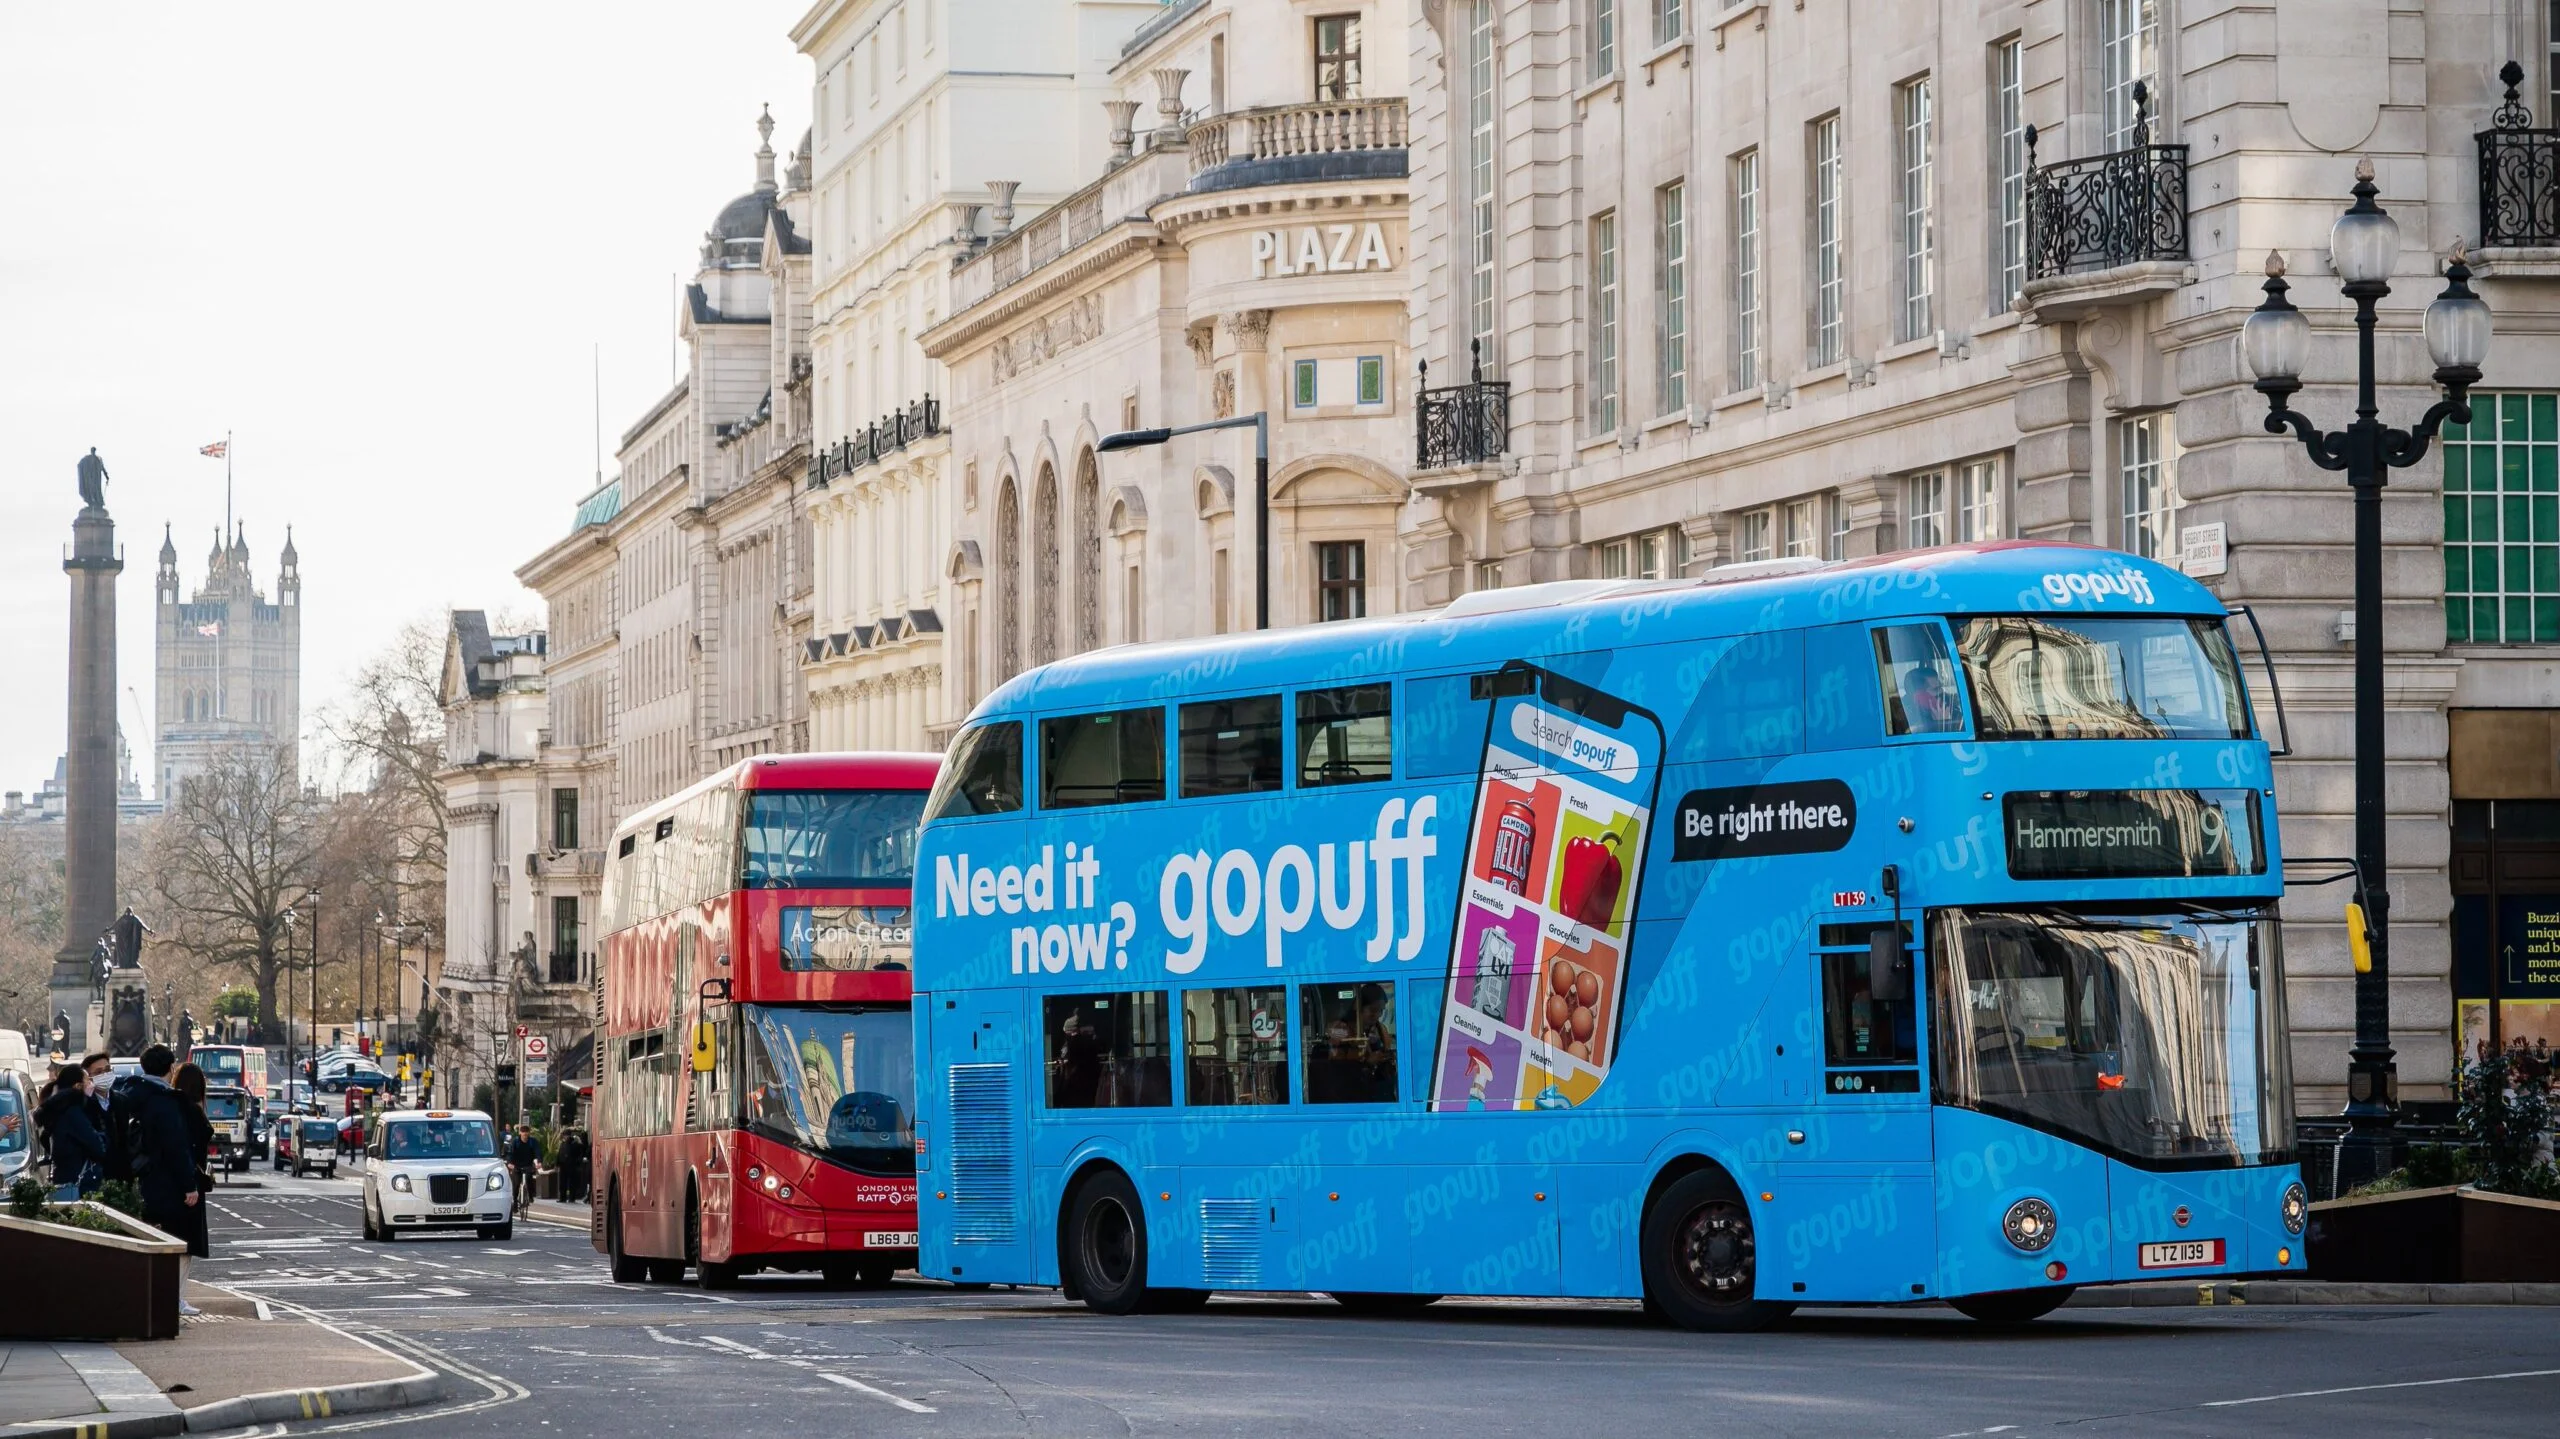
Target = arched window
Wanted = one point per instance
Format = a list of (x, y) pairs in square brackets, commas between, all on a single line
[(1007, 599), (1044, 568), (1088, 554)]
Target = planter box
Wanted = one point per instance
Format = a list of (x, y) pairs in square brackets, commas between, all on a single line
[(80, 1284), (2436, 1236)]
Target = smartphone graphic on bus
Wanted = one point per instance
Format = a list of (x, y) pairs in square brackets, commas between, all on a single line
[(1555, 857)]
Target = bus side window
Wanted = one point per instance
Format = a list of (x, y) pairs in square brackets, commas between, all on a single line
[(1918, 678), (1858, 1027), (1842, 708), (1115, 757), (1347, 1031), (984, 775), (1346, 736), (1230, 746), (1108, 1051)]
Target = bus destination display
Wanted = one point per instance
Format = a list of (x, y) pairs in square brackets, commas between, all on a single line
[(2133, 834)]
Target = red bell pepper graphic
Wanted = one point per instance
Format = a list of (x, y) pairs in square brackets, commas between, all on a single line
[(1587, 890)]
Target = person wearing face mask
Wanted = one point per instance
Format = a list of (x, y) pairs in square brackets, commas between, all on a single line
[(71, 1135)]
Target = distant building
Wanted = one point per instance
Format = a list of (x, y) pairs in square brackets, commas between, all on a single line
[(228, 663)]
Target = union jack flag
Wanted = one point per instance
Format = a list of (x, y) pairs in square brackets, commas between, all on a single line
[(216, 450), (210, 630)]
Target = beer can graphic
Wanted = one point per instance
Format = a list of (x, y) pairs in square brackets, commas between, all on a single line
[(1514, 834), (1494, 953)]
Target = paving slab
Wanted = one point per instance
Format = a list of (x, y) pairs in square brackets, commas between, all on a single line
[(230, 1351), (36, 1382)]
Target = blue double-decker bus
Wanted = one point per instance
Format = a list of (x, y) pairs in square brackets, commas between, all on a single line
[(1853, 933)]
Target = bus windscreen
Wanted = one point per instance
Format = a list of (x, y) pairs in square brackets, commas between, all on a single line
[(2087, 677), (832, 839), (835, 1083)]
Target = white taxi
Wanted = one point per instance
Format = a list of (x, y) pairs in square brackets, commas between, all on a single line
[(435, 1169)]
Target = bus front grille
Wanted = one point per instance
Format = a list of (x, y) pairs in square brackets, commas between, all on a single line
[(982, 1154)]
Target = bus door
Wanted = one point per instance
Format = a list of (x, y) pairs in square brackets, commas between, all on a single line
[(971, 1200), (1856, 1207)]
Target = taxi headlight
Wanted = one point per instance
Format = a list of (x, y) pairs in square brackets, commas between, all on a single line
[(401, 1183), (2297, 1207), (497, 1181), (2029, 1224)]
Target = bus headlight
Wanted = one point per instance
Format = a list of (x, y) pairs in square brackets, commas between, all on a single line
[(2297, 1207), (754, 1173), (772, 1182), (2029, 1224), (400, 1182)]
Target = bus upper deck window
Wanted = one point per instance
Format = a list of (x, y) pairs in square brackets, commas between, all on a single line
[(1231, 746), (1116, 757), (984, 775), (1919, 680), (1346, 736)]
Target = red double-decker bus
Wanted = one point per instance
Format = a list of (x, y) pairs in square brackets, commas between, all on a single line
[(756, 1063)]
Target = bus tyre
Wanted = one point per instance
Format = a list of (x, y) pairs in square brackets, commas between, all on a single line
[(1383, 1305), (626, 1269), (2012, 1306), (1106, 1248), (1700, 1259)]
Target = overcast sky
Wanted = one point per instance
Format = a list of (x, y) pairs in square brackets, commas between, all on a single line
[(375, 243)]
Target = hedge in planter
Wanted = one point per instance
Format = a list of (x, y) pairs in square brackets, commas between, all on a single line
[(94, 1273)]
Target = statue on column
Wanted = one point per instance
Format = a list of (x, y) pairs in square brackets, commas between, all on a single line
[(93, 480)]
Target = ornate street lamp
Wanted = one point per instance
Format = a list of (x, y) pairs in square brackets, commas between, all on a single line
[(2275, 340)]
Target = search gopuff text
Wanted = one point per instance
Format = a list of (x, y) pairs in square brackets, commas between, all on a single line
[(1748, 821)]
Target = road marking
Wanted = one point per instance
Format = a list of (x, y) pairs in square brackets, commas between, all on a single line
[(751, 1352), (901, 1401), (265, 1315), (2371, 1388), (506, 1251)]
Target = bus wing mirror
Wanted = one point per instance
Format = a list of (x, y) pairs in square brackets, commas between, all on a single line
[(1885, 973), (2283, 744), (706, 1048)]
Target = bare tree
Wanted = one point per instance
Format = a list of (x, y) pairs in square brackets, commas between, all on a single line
[(241, 847), (388, 736)]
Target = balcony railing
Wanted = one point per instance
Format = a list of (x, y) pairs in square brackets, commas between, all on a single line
[(564, 966), (2519, 175), (1467, 424), (1279, 132), (2108, 210), (876, 441)]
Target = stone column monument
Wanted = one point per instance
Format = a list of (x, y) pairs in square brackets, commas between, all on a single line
[(89, 784)]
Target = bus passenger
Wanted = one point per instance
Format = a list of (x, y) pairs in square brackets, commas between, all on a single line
[(1928, 702)]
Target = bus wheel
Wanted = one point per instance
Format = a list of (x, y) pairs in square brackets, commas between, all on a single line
[(1106, 1250), (626, 1269), (1700, 1260), (2012, 1306), (1383, 1305)]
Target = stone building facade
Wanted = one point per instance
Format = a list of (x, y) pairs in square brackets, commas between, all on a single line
[(227, 661), (1748, 291), (1240, 246)]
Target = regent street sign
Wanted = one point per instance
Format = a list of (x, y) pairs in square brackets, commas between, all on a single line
[(1321, 250)]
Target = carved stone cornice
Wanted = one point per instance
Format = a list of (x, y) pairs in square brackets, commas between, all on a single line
[(1252, 329)]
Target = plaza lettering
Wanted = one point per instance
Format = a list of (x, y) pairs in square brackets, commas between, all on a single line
[(1320, 249)]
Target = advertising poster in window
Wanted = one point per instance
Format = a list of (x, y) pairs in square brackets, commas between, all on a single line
[(1564, 797)]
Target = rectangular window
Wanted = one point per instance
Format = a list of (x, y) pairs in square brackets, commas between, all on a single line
[(1977, 505), (1235, 1046), (1302, 385), (1671, 297), (1613, 559), (1797, 532), (1667, 20), (2502, 521), (1342, 579), (1648, 558), (2128, 55), (1918, 237), (1347, 1032), (1829, 284), (1925, 509), (1918, 678), (564, 939), (1753, 542), (1231, 746), (1337, 57), (1604, 39), (1107, 1051), (1857, 1027), (1116, 757), (1345, 736), (1836, 547), (2009, 167), (983, 775), (1746, 269), (1478, 114), (2147, 485), (1604, 324), (1487, 575), (564, 819), (1372, 372)]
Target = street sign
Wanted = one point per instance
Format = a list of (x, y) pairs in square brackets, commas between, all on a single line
[(537, 1047), (519, 1031), (537, 1075), (506, 1076)]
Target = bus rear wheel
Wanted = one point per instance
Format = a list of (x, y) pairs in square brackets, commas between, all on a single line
[(1106, 1248), (2012, 1306), (1701, 1260)]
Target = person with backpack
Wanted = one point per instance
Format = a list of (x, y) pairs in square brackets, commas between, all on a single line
[(149, 1129), (77, 1151)]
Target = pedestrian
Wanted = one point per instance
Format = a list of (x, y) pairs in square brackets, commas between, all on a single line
[(524, 1156), (101, 1069), (187, 1082), (574, 1159), (71, 1138), (162, 1151)]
